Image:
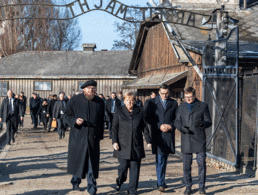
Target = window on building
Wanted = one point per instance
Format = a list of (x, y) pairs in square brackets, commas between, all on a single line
[(3, 88), (43, 86)]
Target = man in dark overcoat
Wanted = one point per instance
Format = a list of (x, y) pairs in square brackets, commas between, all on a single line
[(160, 115), (111, 105), (35, 104), (50, 109), (85, 115), (192, 118), (10, 111)]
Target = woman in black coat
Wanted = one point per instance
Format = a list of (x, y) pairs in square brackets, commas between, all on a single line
[(128, 126), (42, 113)]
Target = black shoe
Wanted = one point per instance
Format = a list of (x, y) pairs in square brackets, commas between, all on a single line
[(202, 191), (118, 186), (55, 129), (76, 187), (48, 130), (164, 186), (188, 191), (13, 140), (8, 144)]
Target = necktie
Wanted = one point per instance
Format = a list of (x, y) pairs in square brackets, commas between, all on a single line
[(164, 103)]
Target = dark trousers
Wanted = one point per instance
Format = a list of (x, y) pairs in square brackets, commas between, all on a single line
[(35, 120), (11, 124), (187, 166), (161, 165), (134, 167), (92, 184), (32, 118), (61, 127)]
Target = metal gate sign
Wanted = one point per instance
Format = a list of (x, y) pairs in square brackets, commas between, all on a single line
[(113, 7)]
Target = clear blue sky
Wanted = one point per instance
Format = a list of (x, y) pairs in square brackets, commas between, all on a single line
[(98, 26)]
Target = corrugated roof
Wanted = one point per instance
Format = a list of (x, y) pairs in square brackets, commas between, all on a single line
[(66, 63), (154, 81)]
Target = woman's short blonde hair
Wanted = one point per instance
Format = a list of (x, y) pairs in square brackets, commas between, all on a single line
[(129, 94)]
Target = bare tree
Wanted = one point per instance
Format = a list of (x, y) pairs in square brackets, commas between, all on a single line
[(39, 34)]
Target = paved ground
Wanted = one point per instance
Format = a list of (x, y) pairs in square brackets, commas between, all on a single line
[(36, 164)]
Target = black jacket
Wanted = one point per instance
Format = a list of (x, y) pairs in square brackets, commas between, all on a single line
[(43, 113), (35, 105), (156, 115), (84, 140), (109, 116), (139, 103), (60, 106), (127, 131), (18, 109), (24, 103), (50, 107), (196, 140)]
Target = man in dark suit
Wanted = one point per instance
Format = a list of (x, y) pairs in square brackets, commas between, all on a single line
[(58, 112), (111, 105), (160, 115), (23, 99), (50, 109), (192, 118), (11, 109), (35, 104)]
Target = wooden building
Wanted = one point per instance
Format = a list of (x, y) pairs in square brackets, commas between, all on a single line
[(157, 59), (49, 72)]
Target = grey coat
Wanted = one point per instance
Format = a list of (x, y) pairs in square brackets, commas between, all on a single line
[(195, 141)]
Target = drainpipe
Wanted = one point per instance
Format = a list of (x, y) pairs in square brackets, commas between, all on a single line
[(245, 4)]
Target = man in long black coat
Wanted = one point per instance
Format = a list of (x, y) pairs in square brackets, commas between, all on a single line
[(35, 104), (111, 105), (85, 115), (192, 118), (160, 115), (11, 109)]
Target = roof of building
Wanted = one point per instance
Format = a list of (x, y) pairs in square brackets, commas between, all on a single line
[(66, 64)]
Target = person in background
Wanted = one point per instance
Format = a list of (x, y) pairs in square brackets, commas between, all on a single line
[(152, 96), (111, 105), (128, 141), (192, 118), (35, 103), (43, 112), (58, 112), (107, 97), (41, 101), (160, 115), (50, 97), (10, 110), (138, 102), (86, 133), (22, 103), (50, 109), (120, 97), (69, 97), (23, 99)]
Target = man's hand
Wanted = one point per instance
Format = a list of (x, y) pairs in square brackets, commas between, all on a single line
[(54, 119), (79, 121), (149, 145), (47, 115), (21, 118), (0, 119), (115, 146), (184, 130), (165, 128)]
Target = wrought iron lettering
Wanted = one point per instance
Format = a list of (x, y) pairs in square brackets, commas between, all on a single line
[(114, 7)]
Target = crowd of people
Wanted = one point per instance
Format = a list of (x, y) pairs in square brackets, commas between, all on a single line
[(127, 120)]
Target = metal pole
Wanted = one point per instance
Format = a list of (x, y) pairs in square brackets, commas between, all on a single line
[(245, 4)]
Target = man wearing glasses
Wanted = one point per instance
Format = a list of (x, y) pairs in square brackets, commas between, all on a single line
[(192, 118), (160, 115)]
